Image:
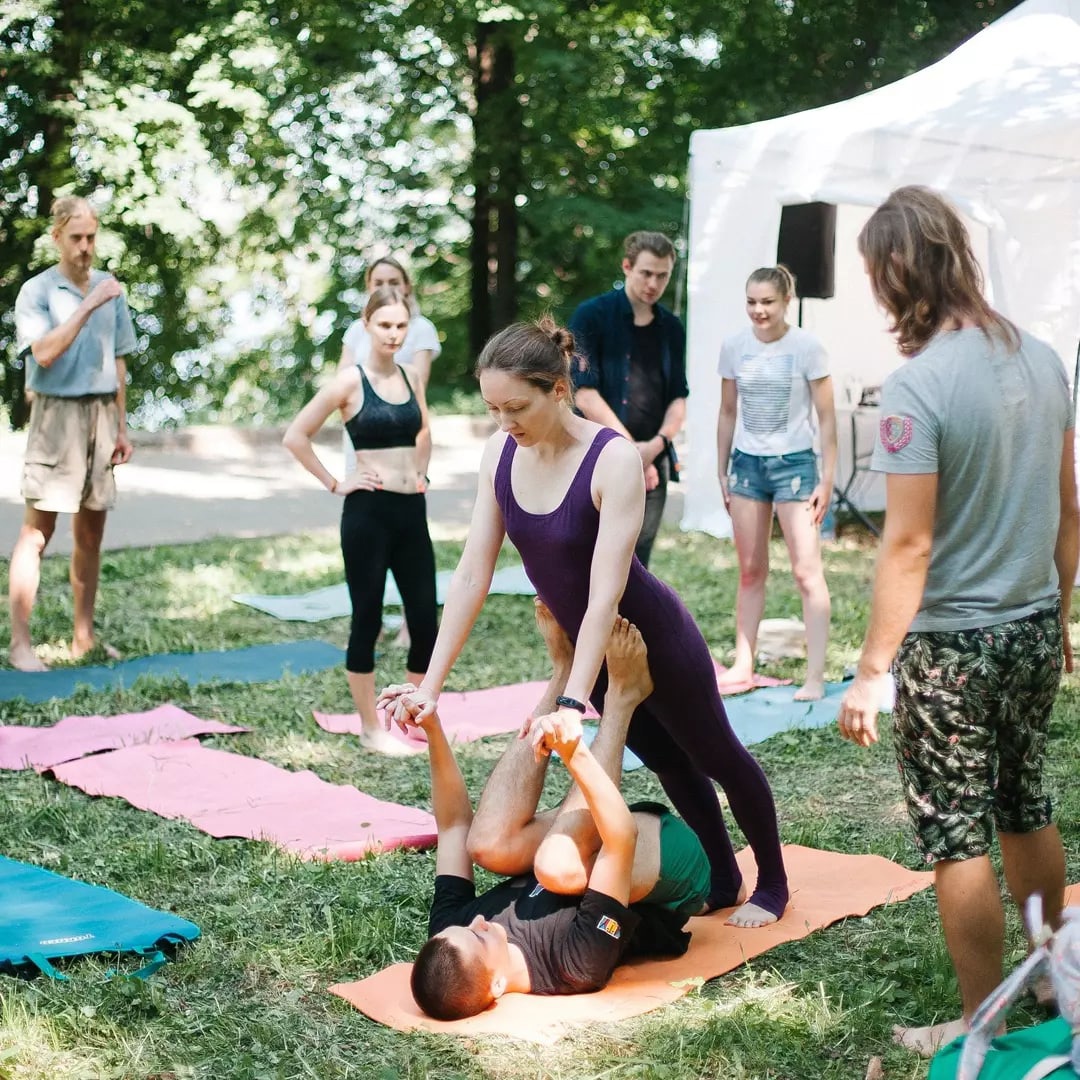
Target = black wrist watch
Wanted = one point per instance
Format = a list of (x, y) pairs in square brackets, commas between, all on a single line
[(564, 702)]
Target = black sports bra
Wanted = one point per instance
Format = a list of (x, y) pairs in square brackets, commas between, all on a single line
[(381, 424)]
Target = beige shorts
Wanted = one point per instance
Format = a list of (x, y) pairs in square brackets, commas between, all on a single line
[(69, 450)]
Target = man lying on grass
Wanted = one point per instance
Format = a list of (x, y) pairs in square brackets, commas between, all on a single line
[(562, 923)]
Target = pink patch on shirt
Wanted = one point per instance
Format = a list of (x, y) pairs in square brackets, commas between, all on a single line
[(896, 432)]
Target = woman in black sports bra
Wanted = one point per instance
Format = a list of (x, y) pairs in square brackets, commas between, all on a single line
[(384, 519)]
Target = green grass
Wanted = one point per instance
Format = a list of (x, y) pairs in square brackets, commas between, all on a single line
[(249, 1000)]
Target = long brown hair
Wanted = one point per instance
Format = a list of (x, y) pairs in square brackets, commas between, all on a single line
[(923, 271)]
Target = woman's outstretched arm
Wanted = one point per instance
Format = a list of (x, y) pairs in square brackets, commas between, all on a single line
[(466, 595)]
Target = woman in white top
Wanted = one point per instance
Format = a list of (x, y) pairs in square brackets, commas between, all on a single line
[(774, 377), (421, 345)]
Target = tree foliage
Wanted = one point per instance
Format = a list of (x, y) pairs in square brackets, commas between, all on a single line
[(250, 156)]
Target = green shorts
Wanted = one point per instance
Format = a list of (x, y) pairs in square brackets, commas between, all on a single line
[(971, 717), (685, 877)]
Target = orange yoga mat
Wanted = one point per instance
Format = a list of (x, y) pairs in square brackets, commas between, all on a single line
[(826, 887)]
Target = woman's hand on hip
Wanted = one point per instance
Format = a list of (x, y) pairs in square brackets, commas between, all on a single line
[(359, 481)]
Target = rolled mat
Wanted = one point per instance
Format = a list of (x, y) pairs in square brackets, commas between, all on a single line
[(227, 794), (826, 887), (258, 663), (76, 736)]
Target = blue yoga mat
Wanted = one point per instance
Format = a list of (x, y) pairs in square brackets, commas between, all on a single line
[(769, 710), (759, 714), (259, 663), (44, 916)]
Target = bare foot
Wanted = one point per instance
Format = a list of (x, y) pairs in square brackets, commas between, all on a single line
[(558, 644), (628, 662), (927, 1041), (811, 690), (734, 679), (403, 641), (379, 741), (80, 647), (23, 658), (750, 915)]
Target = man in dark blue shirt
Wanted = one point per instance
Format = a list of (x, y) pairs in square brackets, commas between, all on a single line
[(631, 369)]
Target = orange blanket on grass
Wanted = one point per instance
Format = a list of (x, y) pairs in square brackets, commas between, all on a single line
[(826, 887)]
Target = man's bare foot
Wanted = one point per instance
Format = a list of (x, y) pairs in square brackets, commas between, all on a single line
[(628, 663), (750, 915), (379, 741), (558, 644), (811, 690), (927, 1041), (81, 649), (23, 658)]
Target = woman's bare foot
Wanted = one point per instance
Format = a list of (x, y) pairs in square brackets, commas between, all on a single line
[(750, 915), (735, 678), (927, 1041), (379, 741), (811, 690), (23, 658), (558, 644), (628, 663)]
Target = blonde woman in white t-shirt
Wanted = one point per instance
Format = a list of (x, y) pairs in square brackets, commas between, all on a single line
[(775, 377)]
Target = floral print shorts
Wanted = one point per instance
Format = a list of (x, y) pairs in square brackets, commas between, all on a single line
[(970, 722)]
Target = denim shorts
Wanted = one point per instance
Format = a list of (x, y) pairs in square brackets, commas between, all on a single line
[(787, 478)]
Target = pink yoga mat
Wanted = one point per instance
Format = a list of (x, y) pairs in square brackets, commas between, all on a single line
[(466, 716), (76, 736), (476, 714), (231, 795)]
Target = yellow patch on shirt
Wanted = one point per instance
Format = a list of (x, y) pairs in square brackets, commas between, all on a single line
[(609, 926)]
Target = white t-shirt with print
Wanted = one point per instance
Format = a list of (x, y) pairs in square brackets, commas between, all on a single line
[(420, 336), (775, 410)]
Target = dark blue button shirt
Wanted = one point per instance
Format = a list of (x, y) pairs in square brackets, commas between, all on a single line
[(603, 330)]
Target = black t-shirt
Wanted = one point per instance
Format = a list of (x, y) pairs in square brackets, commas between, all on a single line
[(645, 405), (571, 944)]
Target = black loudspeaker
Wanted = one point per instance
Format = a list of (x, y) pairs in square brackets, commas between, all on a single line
[(807, 247)]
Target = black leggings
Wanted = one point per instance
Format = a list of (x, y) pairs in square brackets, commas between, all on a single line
[(380, 531)]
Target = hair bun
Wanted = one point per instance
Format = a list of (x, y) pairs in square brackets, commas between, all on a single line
[(559, 336)]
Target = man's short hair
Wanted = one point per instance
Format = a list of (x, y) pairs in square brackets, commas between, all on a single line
[(448, 985), (656, 243), (65, 207)]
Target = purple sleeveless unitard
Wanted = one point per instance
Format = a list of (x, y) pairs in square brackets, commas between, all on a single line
[(681, 731)]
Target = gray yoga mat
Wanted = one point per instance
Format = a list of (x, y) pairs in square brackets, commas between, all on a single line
[(333, 601)]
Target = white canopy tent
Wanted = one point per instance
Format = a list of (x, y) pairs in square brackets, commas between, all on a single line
[(995, 126)]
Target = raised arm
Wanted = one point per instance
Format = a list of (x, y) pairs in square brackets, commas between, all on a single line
[(821, 391), (47, 344), (449, 801), (612, 871), (1065, 551)]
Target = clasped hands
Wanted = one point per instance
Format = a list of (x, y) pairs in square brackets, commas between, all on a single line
[(412, 707)]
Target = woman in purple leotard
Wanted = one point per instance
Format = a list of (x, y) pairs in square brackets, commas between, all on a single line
[(570, 496)]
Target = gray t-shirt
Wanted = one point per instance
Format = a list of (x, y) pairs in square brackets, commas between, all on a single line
[(991, 424), (88, 365)]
